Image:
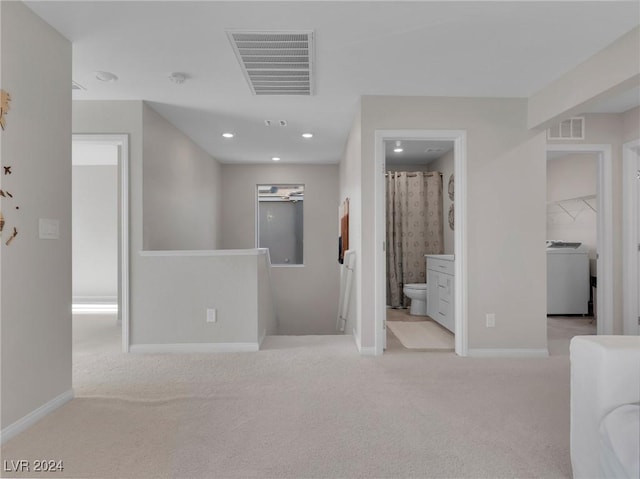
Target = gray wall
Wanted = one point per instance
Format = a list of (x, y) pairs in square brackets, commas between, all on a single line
[(35, 274), (177, 291), (149, 136), (306, 297), (95, 233), (506, 211), (181, 189), (117, 117)]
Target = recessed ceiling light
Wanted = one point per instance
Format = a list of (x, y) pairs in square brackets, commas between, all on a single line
[(106, 76), (398, 150), (275, 158), (307, 135), (228, 135)]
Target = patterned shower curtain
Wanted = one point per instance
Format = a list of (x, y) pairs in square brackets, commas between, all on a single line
[(414, 228)]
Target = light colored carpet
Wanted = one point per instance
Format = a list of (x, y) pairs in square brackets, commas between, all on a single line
[(422, 335), (305, 407)]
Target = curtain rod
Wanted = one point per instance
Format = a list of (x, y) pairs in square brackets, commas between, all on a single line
[(414, 173)]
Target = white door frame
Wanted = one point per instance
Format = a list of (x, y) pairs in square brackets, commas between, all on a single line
[(630, 236), (459, 138), (122, 143), (604, 298)]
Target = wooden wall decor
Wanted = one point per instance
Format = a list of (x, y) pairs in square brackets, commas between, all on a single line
[(343, 239), (5, 98)]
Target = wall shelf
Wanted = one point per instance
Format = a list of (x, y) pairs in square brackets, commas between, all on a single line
[(572, 206)]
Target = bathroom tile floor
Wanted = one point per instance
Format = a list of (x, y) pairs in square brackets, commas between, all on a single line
[(403, 315)]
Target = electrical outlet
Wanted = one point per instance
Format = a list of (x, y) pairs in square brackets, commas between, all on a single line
[(491, 320), (212, 316)]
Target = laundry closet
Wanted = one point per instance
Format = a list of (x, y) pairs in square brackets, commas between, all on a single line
[(571, 233)]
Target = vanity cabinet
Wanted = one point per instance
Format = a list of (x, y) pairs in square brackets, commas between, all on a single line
[(440, 290)]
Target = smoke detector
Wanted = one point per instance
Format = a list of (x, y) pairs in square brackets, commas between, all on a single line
[(106, 76), (275, 63), (177, 78)]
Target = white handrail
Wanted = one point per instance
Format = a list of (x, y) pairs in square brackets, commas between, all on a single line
[(346, 278)]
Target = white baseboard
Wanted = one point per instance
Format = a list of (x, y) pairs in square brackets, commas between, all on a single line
[(187, 348), (34, 416), (363, 351), (507, 353)]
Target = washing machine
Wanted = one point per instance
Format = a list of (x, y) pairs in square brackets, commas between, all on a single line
[(568, 280)]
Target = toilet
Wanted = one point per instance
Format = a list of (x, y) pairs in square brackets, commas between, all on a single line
[(418, 294)]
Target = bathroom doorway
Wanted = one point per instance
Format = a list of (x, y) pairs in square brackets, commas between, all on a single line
[(453, 143), (419, 192)]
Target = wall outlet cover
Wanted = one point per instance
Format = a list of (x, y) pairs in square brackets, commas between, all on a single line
[(491, 320), (48, 229), (212, 317)]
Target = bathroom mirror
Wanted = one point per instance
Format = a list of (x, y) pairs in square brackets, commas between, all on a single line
[(280, 220)]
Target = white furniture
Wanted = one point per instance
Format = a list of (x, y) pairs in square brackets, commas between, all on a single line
[(605, 407), (568, 281), (417, 292), (440, 289)]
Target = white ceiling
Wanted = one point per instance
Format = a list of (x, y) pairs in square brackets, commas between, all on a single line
[(415, 152), (490, 49)]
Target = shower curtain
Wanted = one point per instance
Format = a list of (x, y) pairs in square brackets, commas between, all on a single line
[(414, 228)]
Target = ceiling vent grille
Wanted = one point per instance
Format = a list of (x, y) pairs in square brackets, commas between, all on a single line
[(275, 63), (570, 129)]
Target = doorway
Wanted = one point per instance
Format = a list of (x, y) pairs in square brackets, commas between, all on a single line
[(566, 253), (100, 238), (631, 237), (419, 206), (458, 138)]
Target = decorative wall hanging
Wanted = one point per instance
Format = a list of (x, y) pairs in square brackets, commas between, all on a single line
[(451, 216), (5, 98), (343, 239), (451, 187), (13, 235), (6, 194)]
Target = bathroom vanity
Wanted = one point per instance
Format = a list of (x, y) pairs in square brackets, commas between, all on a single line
[(440, 289)]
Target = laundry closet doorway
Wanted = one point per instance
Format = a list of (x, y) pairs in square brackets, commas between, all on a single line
[(601, 203)]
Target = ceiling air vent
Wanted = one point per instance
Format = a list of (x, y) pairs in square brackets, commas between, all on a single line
[(571, 129), (275, 63)]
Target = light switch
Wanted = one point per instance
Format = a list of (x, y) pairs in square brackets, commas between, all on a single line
[(48, 229)]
